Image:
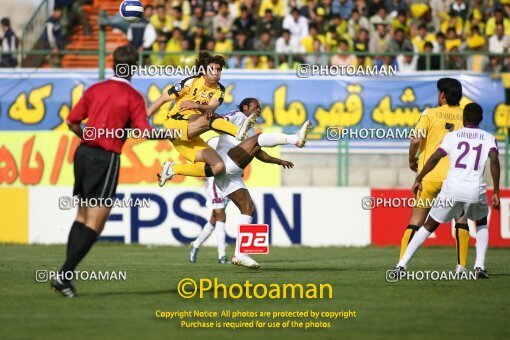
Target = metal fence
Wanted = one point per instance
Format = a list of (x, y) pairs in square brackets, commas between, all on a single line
[(35, 26)]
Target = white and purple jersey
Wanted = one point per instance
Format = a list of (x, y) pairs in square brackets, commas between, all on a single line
[(468, 150)]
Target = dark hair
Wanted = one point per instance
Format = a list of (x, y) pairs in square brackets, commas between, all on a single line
[(58, 8), (146, 7), (473, 114), (294, 9), (204, 59), (428, 44), (422, 26), (160, 6), (246, 102), (402, 12), (124, 55), (452, 90), (343, 41), (440, 34), (285, 30), (6, 22)]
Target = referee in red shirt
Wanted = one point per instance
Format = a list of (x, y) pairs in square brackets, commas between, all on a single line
[(109, 105)]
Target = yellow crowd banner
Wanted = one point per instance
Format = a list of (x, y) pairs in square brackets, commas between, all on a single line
[(46, 158)]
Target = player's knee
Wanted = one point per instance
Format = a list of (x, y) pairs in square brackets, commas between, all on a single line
[(218, 168), (221, 216)]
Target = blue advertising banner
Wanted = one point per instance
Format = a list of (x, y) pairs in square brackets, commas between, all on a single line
[(41, 100)]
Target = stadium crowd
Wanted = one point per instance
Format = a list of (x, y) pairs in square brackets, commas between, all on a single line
[(393, 31)]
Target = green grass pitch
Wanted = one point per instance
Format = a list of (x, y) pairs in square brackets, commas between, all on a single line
[(125, 309)]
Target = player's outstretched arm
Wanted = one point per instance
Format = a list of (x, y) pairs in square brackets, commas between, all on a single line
[(266, 158), (204, 108), (428, 167), (495, 172), (413, 150), (156, 105)]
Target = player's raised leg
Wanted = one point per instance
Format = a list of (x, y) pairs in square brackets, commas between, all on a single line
[(199, 124), (419, 238)]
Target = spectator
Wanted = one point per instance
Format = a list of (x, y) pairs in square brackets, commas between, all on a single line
[(343, 58), (318, 58), (186, 59), (331, 41), (141, 34), (357, 22), (452, 40), (378, 39), (373, 7), (241, 42), (180, 20), (361, 42), (394, 7), (407, 63), (401, 21), (440, 42), (198, 40), (269, 23), (476, 62), (222, 44), (307, 42), (339, 24), (174, 45), (428, 47), (223, 19), (245, 23), (286, 44), (199, 17), (422, 37), (9, 45), (454, 22), (499, 42), (296, 24), (72, 10), (399, 43), (276, 6), (380, 18), (308, 11), (161, 21), (52, 38), (459, 8), (265, 43), (497, 66), (362, 7), (498, 18), (159, 55), (320, 22), (327, 6), (387, 63), (454, 61), (343, 8)]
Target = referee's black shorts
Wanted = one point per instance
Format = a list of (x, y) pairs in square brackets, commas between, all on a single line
[(96, 172)]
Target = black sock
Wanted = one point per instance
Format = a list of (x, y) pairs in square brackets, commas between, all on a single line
[(208, 171), (73, 235), (80, 244)]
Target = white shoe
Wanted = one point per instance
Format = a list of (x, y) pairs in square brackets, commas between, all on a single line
[(245, 261), (242, 134), (302, 133), (166, 174), (460, 269)]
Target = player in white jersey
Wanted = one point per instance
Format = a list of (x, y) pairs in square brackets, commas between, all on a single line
[(237, 155), (463, 193), (217, 202)]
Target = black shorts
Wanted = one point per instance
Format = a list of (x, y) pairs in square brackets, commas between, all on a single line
[(96, 172)]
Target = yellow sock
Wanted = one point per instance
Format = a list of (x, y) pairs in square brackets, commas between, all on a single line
[(462, 243), (406, 238), (194, 169), (224, 125)]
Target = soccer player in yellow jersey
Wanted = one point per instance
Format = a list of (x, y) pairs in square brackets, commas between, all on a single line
[(195, 100), (434, 123)]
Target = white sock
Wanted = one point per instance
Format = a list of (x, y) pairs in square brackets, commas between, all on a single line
[(243, 219), (482, 242), (220, 234), (421, 235), (204, 235), (276, 138)]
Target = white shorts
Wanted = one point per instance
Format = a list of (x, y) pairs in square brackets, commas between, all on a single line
[(215, 197), (230, 183), (472, 211)]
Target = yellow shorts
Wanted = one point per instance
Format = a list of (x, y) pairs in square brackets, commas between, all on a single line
[(189, 148), (180, 123), (425, 197)]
